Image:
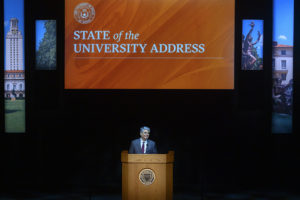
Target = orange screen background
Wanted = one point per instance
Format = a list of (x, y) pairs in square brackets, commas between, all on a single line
[(210, 22)]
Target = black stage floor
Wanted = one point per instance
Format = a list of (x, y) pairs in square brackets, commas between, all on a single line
[(250, 195)]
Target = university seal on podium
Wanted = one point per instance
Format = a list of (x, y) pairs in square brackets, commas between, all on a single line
[(147, 176), (84, 13)]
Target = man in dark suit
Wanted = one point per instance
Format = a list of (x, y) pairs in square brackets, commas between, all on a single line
[(143, 145)]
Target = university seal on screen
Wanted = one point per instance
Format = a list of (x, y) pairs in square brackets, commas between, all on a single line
[(84, 13), (147, 176)]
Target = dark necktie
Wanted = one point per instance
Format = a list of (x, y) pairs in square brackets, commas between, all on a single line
[(143, 148)]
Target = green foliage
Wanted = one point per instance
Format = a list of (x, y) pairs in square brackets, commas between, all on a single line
[(46, 54), (259, 61)]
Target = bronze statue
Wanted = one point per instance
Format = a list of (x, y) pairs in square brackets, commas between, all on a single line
[(247, 45)]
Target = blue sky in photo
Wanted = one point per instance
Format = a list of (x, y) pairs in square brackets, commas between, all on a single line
[(283, 31), (259, 26), (39, 32), (14, 9)]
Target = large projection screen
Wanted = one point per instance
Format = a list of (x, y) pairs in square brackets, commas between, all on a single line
[(145, 44)]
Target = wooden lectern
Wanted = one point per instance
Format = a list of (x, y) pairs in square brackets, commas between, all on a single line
[(147, 176)]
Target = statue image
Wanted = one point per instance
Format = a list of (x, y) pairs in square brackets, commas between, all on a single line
[(248, 59)]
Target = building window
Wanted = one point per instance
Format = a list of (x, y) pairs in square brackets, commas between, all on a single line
[(273, 63), (283, 64), (283, 77), (7, 87), (283, 52)]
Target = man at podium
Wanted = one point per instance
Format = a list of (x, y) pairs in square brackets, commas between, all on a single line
[(143, 145)]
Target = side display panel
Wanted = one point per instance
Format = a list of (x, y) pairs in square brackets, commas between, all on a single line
[(252, 44), (14, 66), (282, 66), (45, 44)]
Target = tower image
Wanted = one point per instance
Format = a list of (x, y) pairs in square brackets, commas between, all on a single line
[(14, 75)]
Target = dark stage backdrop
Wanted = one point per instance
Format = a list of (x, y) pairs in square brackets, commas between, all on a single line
[(222, 138)]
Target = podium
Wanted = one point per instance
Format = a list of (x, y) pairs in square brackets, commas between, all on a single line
[(147, 176)]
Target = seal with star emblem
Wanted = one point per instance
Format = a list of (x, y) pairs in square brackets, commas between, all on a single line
[(84, 13), (147, 176)]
